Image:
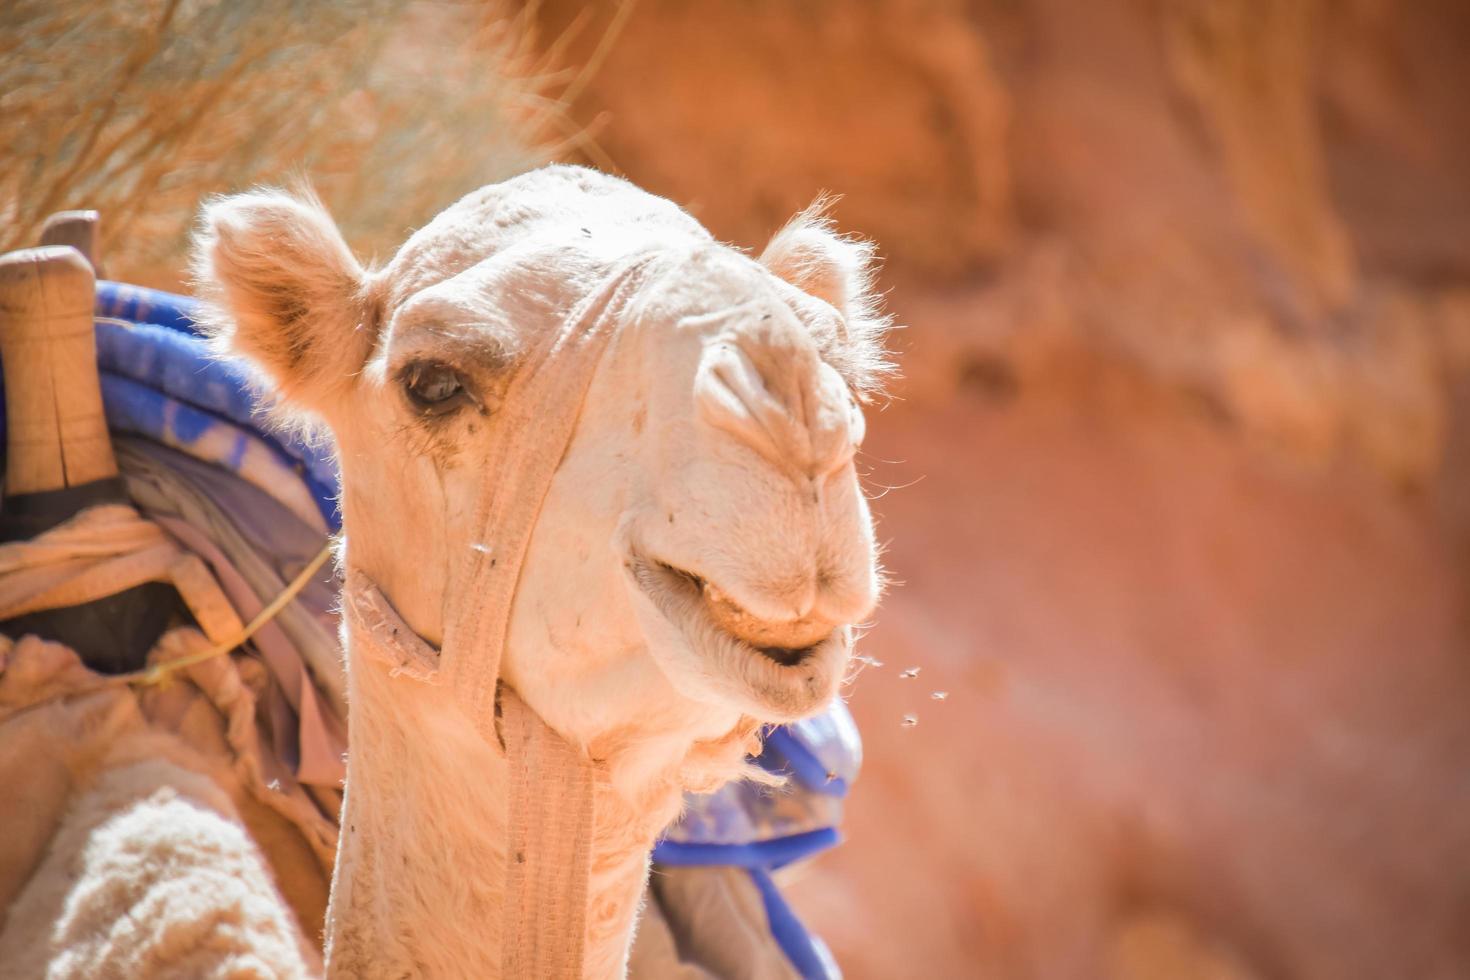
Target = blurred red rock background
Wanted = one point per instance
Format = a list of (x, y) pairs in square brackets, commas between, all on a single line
[(1179, 463)]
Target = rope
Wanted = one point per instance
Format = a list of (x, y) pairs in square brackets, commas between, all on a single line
[(160, 673)]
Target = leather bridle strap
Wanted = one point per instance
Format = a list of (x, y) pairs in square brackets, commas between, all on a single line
[(552, 783)]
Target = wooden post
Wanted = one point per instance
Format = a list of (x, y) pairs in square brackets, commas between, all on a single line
[(59, 460), (56, 432), (77, 229)]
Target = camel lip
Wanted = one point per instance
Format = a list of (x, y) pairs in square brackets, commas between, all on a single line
[(678, 594)]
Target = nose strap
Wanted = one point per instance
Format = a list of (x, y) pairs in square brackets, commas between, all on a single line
[(552, 784), (526, 445)]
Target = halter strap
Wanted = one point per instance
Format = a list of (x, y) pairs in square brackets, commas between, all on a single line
[(531, 435), (551, 789), (552, 783)]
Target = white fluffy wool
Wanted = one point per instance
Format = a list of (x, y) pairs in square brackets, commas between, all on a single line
[(151, 874)]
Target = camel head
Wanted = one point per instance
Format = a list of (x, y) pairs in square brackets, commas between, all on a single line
[(704, 549)]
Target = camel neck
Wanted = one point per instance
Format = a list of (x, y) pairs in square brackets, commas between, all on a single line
[(420, 878)]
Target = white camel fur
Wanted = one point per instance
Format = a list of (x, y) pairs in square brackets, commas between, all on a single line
[(699, 559)]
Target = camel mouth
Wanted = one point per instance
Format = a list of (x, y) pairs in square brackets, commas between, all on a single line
[(787, 644), (787, 669)]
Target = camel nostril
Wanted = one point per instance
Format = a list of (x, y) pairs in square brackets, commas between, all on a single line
[(788, 406)]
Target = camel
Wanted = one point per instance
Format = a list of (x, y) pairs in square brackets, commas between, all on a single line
[(601, 523)]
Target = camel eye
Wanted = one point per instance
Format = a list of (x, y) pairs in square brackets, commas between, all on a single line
[(434, 389)]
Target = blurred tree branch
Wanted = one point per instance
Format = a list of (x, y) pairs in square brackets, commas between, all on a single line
[(139, 108)]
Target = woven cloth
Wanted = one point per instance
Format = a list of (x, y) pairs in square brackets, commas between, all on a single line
[(105, 550), (100, 552), (52, 705)]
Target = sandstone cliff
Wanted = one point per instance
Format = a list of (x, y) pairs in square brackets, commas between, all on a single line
[(1181, 458)]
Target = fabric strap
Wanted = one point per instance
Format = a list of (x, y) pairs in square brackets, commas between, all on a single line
[(100, 552), (534, 428), (552, 783), (549, 851)]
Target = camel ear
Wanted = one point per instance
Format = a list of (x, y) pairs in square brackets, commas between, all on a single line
[(809, 254), (813, 257), (283, 291)]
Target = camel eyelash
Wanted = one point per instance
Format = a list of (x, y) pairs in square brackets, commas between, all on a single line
[(435, 389)]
